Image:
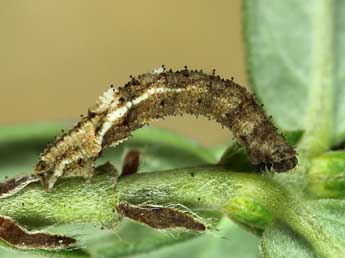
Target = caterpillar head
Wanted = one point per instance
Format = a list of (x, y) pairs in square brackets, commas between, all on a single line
[(284, 159), (281, 158)]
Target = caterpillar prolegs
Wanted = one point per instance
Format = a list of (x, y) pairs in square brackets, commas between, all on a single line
[(155, 95)]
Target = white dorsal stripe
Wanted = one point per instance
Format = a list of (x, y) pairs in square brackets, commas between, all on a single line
[(119, 113)]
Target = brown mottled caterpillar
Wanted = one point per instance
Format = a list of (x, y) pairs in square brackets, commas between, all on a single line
[(155, 95)]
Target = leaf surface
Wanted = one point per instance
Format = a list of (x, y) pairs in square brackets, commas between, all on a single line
[(159, 150)]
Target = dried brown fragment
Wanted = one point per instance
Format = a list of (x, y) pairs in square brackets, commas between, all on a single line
[(17, 236), (131, 162), (160, 217), (14, 185)]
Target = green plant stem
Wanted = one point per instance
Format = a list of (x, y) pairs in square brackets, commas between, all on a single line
[(251, 199), (202, 188), (72, 201)]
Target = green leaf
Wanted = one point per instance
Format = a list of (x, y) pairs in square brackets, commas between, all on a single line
[(226, 242), (280, 241), (235, 158), (166, 244), (295, 69), (8, 253), (20, 147)]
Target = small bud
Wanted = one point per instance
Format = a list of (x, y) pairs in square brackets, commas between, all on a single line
[(326, 176), (249, 212)]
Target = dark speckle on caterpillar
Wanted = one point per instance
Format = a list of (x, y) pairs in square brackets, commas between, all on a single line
[(155, 95)]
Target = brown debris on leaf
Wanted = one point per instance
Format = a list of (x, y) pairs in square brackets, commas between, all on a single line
[(17, 236), (14, 185), (160, 217), (131, 162)]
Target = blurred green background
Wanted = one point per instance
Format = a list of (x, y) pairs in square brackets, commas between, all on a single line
[(57, 57)]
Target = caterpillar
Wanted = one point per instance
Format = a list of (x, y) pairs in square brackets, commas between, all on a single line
[(155, 95)]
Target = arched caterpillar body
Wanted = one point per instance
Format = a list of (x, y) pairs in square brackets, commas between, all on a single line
[(155, 95)]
